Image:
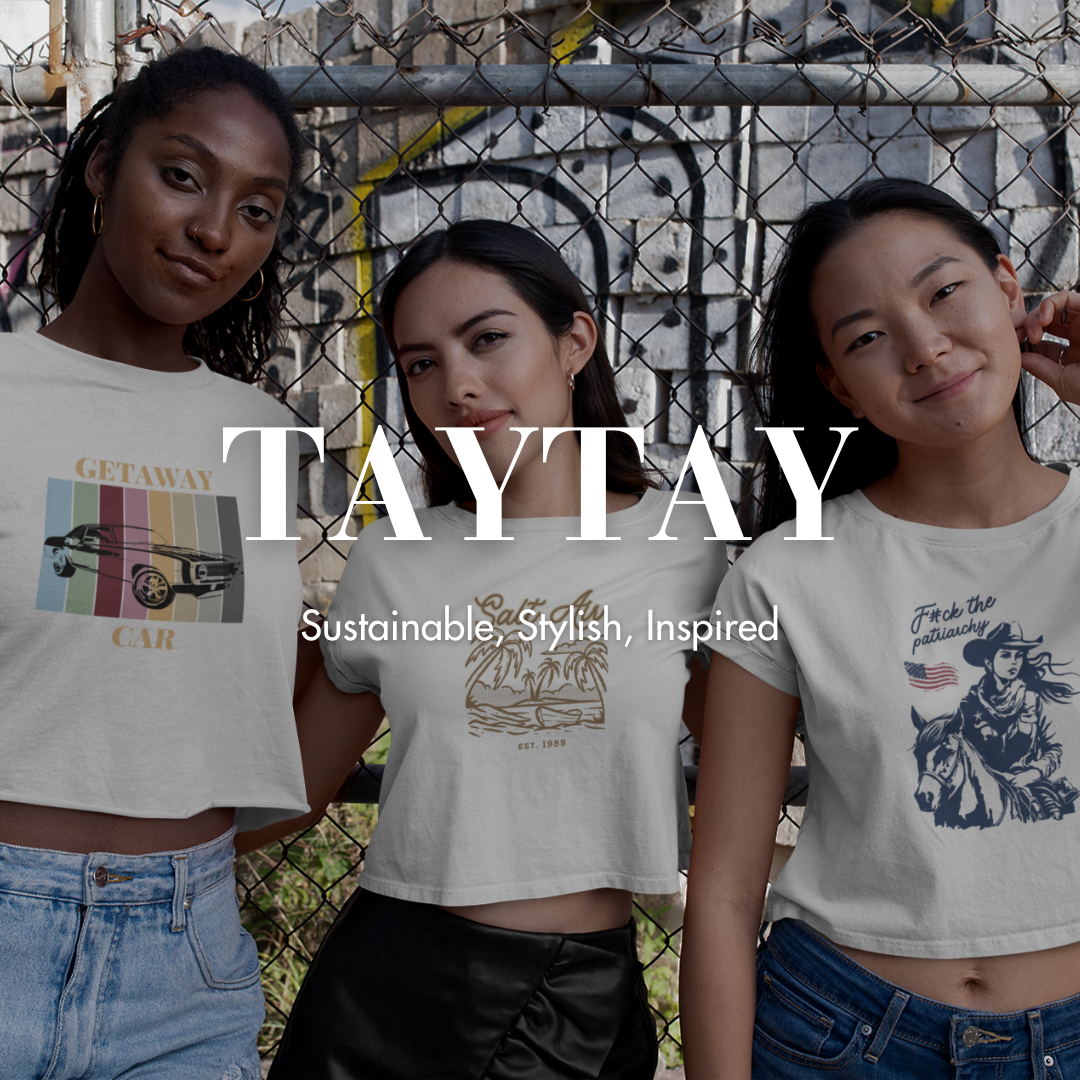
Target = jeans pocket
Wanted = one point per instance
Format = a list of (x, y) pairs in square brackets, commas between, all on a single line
[(226, 953), (797, 1022)]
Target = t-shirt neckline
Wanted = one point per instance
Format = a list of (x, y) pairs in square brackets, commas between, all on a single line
[(564, 526), (1064, 501), (116, 373)]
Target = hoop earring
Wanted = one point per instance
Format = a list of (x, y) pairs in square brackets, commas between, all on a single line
[(262, 282), (570, 380), (97, 216)]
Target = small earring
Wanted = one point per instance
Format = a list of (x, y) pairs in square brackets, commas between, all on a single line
[(262, 282), (570, 380), (97, 216)]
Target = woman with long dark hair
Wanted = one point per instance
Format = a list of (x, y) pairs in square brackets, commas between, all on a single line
[(927, 923), (146, 645), (534, 780)]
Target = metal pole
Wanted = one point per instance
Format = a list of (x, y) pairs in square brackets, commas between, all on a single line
[(34, 85), (683, 84), (91, 55), (626, 85), (56, 36)]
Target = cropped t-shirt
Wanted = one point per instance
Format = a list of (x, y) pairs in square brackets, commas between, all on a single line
[(147, 646), (939, 672), (543, 760)]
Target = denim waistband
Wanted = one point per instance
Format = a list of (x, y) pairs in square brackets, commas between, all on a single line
[(962, 1034), (107, 878)]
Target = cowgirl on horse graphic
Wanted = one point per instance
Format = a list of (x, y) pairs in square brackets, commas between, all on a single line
[(1003, 719)]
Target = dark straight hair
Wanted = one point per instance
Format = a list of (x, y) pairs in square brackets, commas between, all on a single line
[(788, 348), (538, 274), (238, 338)]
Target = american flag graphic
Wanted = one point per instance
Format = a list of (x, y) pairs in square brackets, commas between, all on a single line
[(931, 678)]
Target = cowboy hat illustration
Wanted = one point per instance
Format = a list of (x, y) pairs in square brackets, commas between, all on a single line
[(1006, 635)]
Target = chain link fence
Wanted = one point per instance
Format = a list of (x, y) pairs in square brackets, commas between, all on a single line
[(663, 147)]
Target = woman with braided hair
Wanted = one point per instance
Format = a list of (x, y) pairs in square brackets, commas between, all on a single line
[(146, 647)]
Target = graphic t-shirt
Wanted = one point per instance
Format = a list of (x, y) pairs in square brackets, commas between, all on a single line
[(939, 672), (147, 648), (540, 757)]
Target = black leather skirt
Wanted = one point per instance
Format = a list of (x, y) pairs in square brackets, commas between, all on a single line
[(400, 989)]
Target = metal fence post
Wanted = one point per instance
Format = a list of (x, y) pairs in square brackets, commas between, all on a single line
[(91, 55)]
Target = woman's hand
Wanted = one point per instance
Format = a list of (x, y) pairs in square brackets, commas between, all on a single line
[(1056, 363)]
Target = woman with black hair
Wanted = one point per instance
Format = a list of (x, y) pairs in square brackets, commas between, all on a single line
[(534, 780), (147, 646), (927, 923)]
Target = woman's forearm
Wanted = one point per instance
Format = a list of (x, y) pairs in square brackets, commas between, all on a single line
[(717, 990)]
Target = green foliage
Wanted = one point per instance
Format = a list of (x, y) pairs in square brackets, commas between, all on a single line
[(291, 892), (659, 952)]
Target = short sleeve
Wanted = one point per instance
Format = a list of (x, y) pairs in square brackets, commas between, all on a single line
[(751, 618), (350, 666)]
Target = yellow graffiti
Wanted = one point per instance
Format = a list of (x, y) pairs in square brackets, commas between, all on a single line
[(570, 40), (928, 9), (365, 332), (572, 37)]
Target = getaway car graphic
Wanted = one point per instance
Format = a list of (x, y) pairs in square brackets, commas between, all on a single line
[(202, 573)]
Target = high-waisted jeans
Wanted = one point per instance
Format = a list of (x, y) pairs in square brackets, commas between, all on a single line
[(125, 965), (820, 1014)]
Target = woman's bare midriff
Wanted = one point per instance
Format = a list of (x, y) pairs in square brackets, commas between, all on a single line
[(574, 913), (990, 983), (84, 831)]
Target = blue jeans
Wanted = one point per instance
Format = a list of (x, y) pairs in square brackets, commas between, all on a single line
[(132, 965), (820, 1014)]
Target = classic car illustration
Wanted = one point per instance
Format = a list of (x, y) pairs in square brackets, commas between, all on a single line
[(202, 573)]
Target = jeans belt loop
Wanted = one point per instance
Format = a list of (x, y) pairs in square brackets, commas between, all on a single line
[(1038, 1065), (885, 1028), (179, 907)]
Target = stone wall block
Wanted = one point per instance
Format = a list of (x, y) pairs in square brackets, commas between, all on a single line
[(558, 131), (583, 176), (885, 120), (910, 157), (779, 181), (655, 330), (703, 123), (483, 136), (663, 251), (653, 185), (1025, 166), (964, 167), (395, 220), (636, 386), (773, 30), (717, 390), (612, 250), (826, 125), (1056, 437), (511, 136), (720, 276), (486, 199), (1043, 248), (341, 416), (745, 441), (1027, 16), (15, 213), (722, 327)]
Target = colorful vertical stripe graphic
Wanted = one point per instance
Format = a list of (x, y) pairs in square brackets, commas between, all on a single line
[(126, 553)]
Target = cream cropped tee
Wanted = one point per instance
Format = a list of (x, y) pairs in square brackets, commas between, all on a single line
[(939, 672), (147, 647), (540, 756)]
